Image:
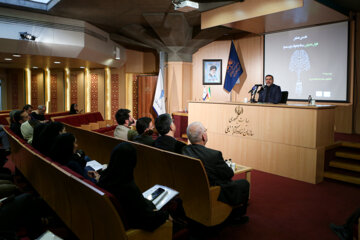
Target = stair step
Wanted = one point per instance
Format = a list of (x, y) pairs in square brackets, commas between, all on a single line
[(351, 144), (345, 165), (342, 177), (348, 155)]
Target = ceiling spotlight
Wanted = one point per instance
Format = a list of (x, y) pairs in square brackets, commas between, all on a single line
[(57, 62), (82, 67), (35, 67), (27, 36), (8, 59), (16, 55)]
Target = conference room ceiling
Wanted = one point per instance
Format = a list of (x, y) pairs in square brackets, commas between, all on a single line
[(8, 60), (155, 25)]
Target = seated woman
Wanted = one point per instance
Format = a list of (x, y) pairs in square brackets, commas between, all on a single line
[(47, 136), (118, 179), (74, 109), (64, 151)]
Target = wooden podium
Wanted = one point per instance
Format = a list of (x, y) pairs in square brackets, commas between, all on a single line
[(287, 140)]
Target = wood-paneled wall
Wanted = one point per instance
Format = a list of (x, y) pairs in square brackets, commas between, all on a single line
[(250, 52)]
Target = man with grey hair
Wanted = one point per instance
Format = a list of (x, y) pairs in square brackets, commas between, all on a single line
[(234, 193), (39, 114)]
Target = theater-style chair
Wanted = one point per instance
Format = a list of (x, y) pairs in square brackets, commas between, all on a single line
[(85, 209), (284, 96)]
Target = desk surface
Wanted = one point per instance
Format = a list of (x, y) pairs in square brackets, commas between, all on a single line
[(306, 106)]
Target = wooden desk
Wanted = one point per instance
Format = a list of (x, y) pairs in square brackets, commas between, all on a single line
[(287, 140)]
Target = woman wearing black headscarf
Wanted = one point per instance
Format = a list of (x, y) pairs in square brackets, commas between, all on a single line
[(47, 137), (64, 151), (74, 109), (118, 179)]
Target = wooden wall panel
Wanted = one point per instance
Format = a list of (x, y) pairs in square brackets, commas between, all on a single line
[(174, 90), (146, 92), (284, 140), (80, 81), (250, 52), (214, 50), (134, 61), (60, 94), (37, 88), (53, 92), (186, 89), (151, 62), (121, 102), (97, 89)]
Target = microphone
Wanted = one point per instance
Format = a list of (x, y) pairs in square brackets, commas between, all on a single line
[(254, 88)]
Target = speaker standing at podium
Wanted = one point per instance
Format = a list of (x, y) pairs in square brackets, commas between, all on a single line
[(271, 93)]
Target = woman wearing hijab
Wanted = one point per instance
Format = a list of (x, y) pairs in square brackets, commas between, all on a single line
[(118, 179), (74, 109), (47, 137), (64, 151)]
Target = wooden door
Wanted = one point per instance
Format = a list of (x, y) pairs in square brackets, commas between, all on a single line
[(146, 91)]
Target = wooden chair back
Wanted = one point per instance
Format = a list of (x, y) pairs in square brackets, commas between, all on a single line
[(154, 166), (86, 210)]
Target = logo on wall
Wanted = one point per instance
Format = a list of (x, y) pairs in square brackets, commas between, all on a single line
[(238, 124)]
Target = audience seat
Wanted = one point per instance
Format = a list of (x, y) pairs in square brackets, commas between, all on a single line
[(3, 120), (84, 208), (48, 116), (80, 119), (154, 166)]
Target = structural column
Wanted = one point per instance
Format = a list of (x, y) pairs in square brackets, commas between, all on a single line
[(67, 89), (28, 85), (107, 93)]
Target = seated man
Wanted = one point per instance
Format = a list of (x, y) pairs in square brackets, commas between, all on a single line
[(39, 114), (166, 128), (125, 121), (28, 108), (271, 92), (19, 118), (219, 173), (144, 127)]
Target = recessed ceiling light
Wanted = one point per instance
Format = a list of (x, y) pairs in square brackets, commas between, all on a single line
[(16, 55), (82, 67), (8, 59), (57, 62), (35, 67)]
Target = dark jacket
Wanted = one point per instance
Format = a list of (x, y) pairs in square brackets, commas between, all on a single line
[(16, 128), (220, 174), (144, 139), (36, 116), (118, 179), (274, 92), (169, 144)]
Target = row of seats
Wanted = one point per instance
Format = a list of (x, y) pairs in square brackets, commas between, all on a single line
[(5, 119), (154, 166), (80, 119), (90, 212)]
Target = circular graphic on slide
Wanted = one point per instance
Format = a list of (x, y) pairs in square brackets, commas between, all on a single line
[(299, 62)]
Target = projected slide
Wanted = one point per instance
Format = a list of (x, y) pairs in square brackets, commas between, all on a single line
[(310, 61)]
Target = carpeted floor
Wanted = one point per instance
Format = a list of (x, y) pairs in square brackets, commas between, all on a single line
[(281, 208)]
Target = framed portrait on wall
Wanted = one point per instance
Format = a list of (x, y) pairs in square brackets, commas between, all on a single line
[(212, 72)]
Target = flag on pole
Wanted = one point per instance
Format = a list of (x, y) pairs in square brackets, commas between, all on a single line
[(233, 70), (206, 94), (159, 98)]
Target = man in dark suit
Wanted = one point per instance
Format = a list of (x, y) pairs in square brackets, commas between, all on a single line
[(271, 92), (166, 128), (235, 193)]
